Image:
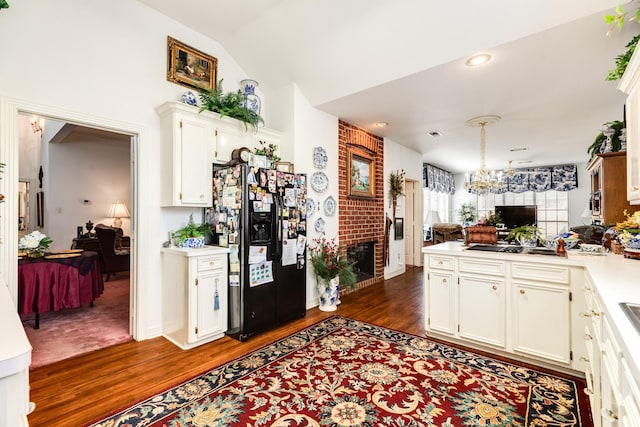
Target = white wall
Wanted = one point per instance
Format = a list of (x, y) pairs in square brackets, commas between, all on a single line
[(398, 157), (314, 128), (96, 170), (107, 61)]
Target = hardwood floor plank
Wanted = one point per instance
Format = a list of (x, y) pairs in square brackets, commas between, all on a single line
[(82, 389)]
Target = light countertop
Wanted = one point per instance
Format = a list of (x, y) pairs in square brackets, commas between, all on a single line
[(616, 278)]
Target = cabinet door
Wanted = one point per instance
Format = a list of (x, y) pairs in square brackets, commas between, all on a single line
[(440, 302), (482, 310), (209, 319), (610, 400), (196, 139), (633, 146), (541, 321)]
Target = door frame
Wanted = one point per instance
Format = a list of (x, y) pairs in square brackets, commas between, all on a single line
[(10, 108)]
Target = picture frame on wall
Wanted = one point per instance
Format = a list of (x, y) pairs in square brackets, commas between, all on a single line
[(398, 229), (361, 173), (190, 67)]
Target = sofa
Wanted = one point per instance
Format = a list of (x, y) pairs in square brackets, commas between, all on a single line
[(445, 232)]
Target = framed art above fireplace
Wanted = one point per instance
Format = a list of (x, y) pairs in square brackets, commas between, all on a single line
[(361, 173)]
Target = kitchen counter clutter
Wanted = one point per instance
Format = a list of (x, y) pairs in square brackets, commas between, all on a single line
[(553, 311)]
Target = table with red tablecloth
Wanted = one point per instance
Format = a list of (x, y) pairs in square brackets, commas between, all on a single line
[(50, 284)]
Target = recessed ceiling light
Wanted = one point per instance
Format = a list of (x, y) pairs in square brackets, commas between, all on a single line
[(478, 59), (434, 134), (381, 124), (518, 149), (522, 162)]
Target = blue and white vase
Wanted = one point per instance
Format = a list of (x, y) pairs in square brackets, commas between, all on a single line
[(189, 98), (328, 294), (251, 100)]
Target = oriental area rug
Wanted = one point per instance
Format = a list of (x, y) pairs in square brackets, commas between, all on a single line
[(342, 372)]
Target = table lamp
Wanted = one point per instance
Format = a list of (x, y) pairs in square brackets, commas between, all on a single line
[(118, 211)]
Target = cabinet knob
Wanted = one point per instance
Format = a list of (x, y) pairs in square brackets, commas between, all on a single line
[(202, 196), (634, 188), (521, 291), (585, 359), (584, 314), (588, 391), (588, 337), (595, 313), (444, 280), (439, 262), (494, 287), (609, 415), (211, 263)]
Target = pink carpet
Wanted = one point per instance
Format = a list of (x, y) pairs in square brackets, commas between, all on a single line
[(70, 332)]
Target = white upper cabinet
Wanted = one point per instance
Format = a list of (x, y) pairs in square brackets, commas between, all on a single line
[(629, 85)]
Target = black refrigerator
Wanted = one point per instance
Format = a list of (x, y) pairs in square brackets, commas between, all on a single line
[(260, 214)]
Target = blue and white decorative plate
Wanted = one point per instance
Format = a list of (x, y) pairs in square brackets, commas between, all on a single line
[(330, 206), (319, 225), (311, 208), (319, 181), (320, 158)]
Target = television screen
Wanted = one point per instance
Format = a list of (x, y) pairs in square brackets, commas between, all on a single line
[(517, 216)]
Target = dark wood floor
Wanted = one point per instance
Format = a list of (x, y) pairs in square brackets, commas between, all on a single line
[(82, 389)]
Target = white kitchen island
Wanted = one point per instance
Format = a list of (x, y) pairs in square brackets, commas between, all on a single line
[(557, 312)]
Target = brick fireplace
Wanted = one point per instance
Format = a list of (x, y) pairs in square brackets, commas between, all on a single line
[(362, 219)]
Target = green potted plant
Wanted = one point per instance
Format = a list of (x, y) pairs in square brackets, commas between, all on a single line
[(191, 235), (617, 126), (228, 104), (526, 235), (331, 269)]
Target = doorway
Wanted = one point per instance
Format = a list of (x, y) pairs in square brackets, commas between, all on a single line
[(82, 171), (9, 154), (413, 227)]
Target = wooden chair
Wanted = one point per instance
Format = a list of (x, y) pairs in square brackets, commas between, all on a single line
[(115, 260)]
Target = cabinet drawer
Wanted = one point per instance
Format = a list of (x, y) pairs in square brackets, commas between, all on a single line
[(212, 262), (611, 353), (483, 266), (441, 262), (538, 272)]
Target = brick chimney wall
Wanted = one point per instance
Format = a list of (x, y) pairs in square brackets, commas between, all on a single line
[(361, 219)]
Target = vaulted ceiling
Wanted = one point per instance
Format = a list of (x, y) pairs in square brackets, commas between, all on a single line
[(403, 62)]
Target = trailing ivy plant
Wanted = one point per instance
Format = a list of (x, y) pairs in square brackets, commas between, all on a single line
[(622, 61), (229, 104)]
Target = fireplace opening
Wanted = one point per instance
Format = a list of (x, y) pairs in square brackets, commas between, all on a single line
[(362, 256)]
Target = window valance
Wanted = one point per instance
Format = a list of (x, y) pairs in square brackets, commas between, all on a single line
[(539, 179), (437, 179)]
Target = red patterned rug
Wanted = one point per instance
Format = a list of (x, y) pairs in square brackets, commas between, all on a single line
[(341, 372)]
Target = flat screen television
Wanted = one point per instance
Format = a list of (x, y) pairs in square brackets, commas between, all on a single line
[(517, 215)]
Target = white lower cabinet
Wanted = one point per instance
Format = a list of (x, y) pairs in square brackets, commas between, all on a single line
[(194, 295), (521, 309), (482, 310), (442, 304), (541, 320)]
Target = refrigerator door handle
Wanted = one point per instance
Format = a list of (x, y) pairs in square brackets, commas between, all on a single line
[(277, 236)]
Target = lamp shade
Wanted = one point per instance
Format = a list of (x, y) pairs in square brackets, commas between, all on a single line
[(118, 210), (432, 218)]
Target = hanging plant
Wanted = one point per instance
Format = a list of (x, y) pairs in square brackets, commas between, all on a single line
[(396, 188)]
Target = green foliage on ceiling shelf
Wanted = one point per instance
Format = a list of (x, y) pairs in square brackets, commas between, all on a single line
[(622, 61), (594, 148), (229, 104), (4, 4)]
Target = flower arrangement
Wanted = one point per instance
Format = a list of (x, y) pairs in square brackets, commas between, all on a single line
[(629, 231), (396, 188), (491, 219), (34, 244), (267, 150), (467, 213), (329, 261)]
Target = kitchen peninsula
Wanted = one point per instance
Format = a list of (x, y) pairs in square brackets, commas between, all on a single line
[(557, 312)]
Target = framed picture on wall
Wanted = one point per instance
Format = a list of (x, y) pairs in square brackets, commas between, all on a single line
[(398, 229), (190, 67), (361, 173)]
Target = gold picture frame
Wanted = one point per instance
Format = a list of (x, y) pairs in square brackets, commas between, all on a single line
[(361, 173), (190, 67)]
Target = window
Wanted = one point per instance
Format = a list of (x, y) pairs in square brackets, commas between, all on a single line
[(435, 201), (553, 208)]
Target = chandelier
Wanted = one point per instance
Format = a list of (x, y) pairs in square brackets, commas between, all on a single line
[(483, 181)]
